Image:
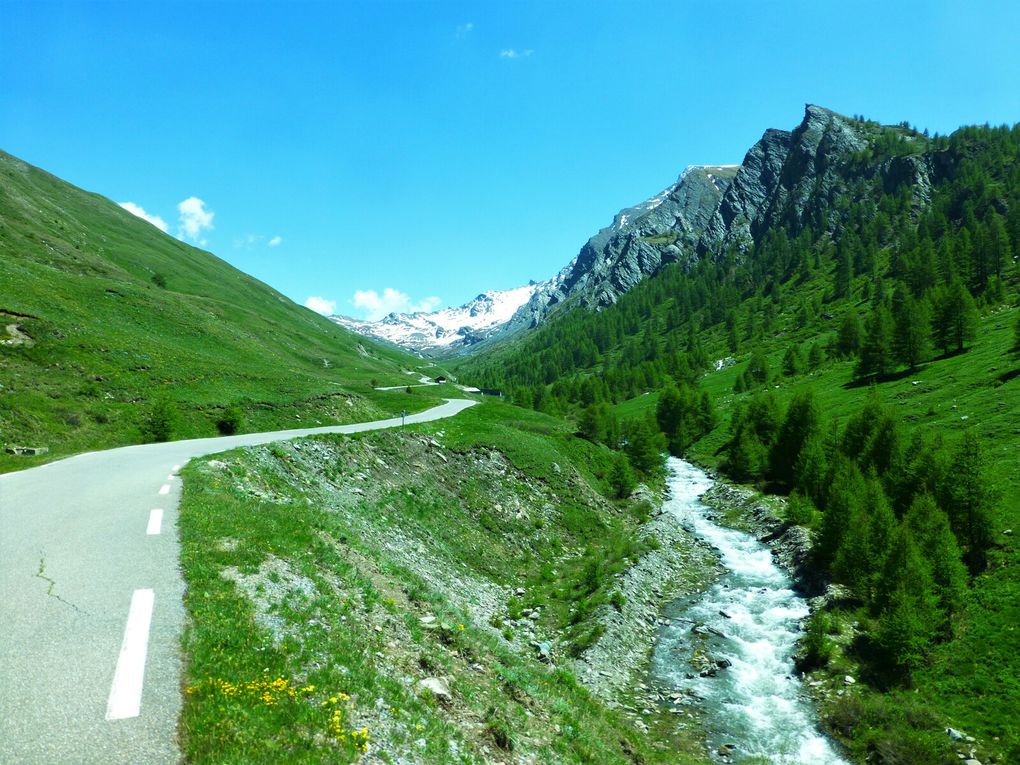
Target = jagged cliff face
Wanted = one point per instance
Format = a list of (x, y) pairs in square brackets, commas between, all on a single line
[(786, 178), (639, 242)]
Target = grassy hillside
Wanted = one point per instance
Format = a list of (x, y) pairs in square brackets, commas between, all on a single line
[(421, 596), (102, 315)]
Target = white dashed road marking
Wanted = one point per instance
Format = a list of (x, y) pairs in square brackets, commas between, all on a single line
[(170, 477), (177, 468), (126, 691), (155, 521), (164, 489)]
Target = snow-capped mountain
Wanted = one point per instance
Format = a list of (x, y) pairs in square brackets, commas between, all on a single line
[(450, 328)]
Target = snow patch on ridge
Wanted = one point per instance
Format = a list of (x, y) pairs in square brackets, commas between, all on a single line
[(448, 328)]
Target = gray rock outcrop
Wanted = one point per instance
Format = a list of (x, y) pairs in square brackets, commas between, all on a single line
[(788, 178)]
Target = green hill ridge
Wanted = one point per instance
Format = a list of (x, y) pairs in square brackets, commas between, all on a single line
[(103, 316)]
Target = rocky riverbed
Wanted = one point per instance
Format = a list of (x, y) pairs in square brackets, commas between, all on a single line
[(729, 649)]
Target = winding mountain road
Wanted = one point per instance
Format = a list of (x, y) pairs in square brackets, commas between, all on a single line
[(91, 599)]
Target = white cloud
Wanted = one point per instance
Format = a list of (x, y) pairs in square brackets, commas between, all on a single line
[(155, 220), (464, 29), (514, 53), (194, 219), (376, 306), (248, 241), (321, 305)]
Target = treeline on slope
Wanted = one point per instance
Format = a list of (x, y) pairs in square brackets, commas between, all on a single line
[(919, 275), (901, 521)]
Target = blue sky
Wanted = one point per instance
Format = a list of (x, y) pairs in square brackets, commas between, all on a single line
[(436, 150)]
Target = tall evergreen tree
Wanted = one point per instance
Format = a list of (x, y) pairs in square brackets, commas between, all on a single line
[(911, 327), (955, 317), (999, 248), (907, 605), (621, 477), (876, 357), (811, 469), (642, 450), (969, 500), (844, 498), (793, 361), (802, 421), (930, 527), (755, 426), (848, 337), (844, 273)]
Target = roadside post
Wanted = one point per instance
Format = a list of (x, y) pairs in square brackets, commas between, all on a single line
[(403, 414)]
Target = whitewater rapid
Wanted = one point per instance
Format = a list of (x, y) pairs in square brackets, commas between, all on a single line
[(730, 648)]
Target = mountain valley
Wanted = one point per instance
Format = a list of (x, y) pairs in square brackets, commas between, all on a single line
[(829, 332)]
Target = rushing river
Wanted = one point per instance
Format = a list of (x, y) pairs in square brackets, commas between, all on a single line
[(731, 647)]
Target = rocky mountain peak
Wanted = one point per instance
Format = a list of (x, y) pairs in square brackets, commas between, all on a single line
[(787, 178)]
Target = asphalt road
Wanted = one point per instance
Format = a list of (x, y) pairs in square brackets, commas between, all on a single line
[(78, 552)]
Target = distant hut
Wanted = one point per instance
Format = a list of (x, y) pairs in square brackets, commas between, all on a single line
[(440, 380)]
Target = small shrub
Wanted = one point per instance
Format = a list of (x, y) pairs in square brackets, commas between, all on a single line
[(585, 640), (499, 729), (800, 509), (160, 423), (159, 280), (817, 647), (616, 600), (642, 511), (231, 421)]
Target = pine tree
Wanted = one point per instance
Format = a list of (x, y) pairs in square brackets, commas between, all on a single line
[(968, 501), (812, 467), (758, 367), (816, 356), (876, 357), (1000, 251), (621, 477), (746, 456), (955, 317), (592, 423), (755, 426), (802, 421), (732, 335), (642, 450), (882, 524), (844, 272), (793, 361), (907, 604), (852, 563), (684, 416), (844, 497), (930, 527), (848, 337), (911, 328)]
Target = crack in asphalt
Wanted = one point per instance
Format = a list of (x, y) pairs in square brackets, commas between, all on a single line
[(41, 574)]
